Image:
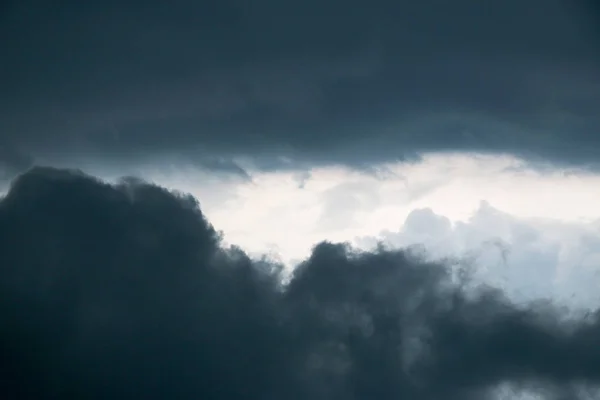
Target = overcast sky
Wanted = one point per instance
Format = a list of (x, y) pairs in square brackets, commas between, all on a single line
[(311, 82), (453, 148)]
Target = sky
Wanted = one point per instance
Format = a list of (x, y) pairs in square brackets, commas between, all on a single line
[(313, 200), (308, 83)]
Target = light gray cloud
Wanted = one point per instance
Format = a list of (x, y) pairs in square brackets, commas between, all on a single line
[(529, 259), (343, 201)]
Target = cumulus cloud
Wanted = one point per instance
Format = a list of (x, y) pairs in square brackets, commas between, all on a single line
[(355, 83), (528, 258), (126, 291)]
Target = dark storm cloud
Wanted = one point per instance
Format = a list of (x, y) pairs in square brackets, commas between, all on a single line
[(124, 291), (297, 83), (12, 162)]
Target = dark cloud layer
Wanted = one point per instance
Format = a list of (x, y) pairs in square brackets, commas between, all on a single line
[(323, 82), (12, 162), (124, 291)]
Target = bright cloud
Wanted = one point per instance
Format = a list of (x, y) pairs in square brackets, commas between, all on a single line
[(288, 212), (529, 258)]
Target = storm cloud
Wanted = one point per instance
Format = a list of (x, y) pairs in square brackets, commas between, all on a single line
[(305, 83), (125, 290)]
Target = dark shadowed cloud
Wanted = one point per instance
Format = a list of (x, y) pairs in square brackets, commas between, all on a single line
[(113, 291), (307, 82), (12, 162)]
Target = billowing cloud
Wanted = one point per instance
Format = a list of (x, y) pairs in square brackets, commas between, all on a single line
[(125, 291), (528, 258), (313, 82)]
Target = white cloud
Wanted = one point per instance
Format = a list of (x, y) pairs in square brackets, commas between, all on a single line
[(290, 213), (529, 258)]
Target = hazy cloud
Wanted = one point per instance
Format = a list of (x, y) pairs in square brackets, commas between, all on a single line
[(115, 291), (357, 82), (343, 201)]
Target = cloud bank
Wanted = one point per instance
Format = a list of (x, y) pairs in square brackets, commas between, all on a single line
[(125, 291), (311, 83)]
